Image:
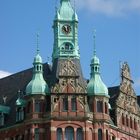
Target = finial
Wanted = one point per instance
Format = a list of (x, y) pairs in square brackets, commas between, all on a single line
[(74, 6), (48, 59), (37, 43), (19, 93), (56, 2), (94, 37)]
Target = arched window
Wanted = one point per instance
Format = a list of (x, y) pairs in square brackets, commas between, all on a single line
[(36, 134), (79, 134), (69, 133), (90, 134), (67, 46), (73, 104), (37, 67), (99, 106), (65, 104), (99, 134), (59, 133)]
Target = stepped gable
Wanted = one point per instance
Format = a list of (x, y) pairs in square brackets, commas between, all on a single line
[(9, 87)]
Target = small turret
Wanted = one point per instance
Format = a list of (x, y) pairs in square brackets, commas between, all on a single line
[(96, 85), (37, 85)]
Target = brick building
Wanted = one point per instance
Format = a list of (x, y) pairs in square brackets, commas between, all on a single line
[(57, 103)]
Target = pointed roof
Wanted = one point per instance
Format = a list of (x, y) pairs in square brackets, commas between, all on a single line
[(66, 11), (96, 85), (37, 85)]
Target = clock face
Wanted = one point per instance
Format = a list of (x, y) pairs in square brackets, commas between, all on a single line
[(66, 29)]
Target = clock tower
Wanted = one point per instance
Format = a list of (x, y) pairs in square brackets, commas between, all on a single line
[(65, 32)]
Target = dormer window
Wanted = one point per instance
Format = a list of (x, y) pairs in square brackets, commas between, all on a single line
[(20, 114), (1, 119), (36, 134), (4, 110)]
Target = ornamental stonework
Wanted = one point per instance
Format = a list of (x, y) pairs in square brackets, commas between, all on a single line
[(68, 68), (127, 97)]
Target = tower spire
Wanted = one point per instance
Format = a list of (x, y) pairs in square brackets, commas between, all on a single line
[(37, 36), (96, 85), (94, 39)]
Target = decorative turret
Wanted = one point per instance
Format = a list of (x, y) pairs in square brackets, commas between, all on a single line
[(37, 85), (96, 85), (65, 32)]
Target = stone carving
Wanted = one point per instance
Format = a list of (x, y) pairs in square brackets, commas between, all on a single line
[(127, 97), (68, 85), (126, 71), (69, 81), (68, 68), (126, 84)]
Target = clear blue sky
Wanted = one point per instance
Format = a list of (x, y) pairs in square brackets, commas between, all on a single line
[(118, 35)]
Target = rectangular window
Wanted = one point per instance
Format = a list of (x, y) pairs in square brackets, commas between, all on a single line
[(36, 134), (99, 106), (37, 106), (1, 119), (73, 104), (65, 103)]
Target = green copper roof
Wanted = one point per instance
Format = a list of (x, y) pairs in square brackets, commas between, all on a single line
[(66, 12), (96, 85), (37, 85), (4, 109), (20, 102)]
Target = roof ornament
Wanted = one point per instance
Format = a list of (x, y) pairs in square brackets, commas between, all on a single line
[(56, 2), (94, 39), (48, 59), (4, 99), (37, 43), (19, 93), (74, 5)]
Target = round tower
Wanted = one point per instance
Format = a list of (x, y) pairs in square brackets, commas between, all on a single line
[(97, 91), (36, 90)]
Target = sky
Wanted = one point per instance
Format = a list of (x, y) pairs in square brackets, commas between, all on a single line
[(117, 25)]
